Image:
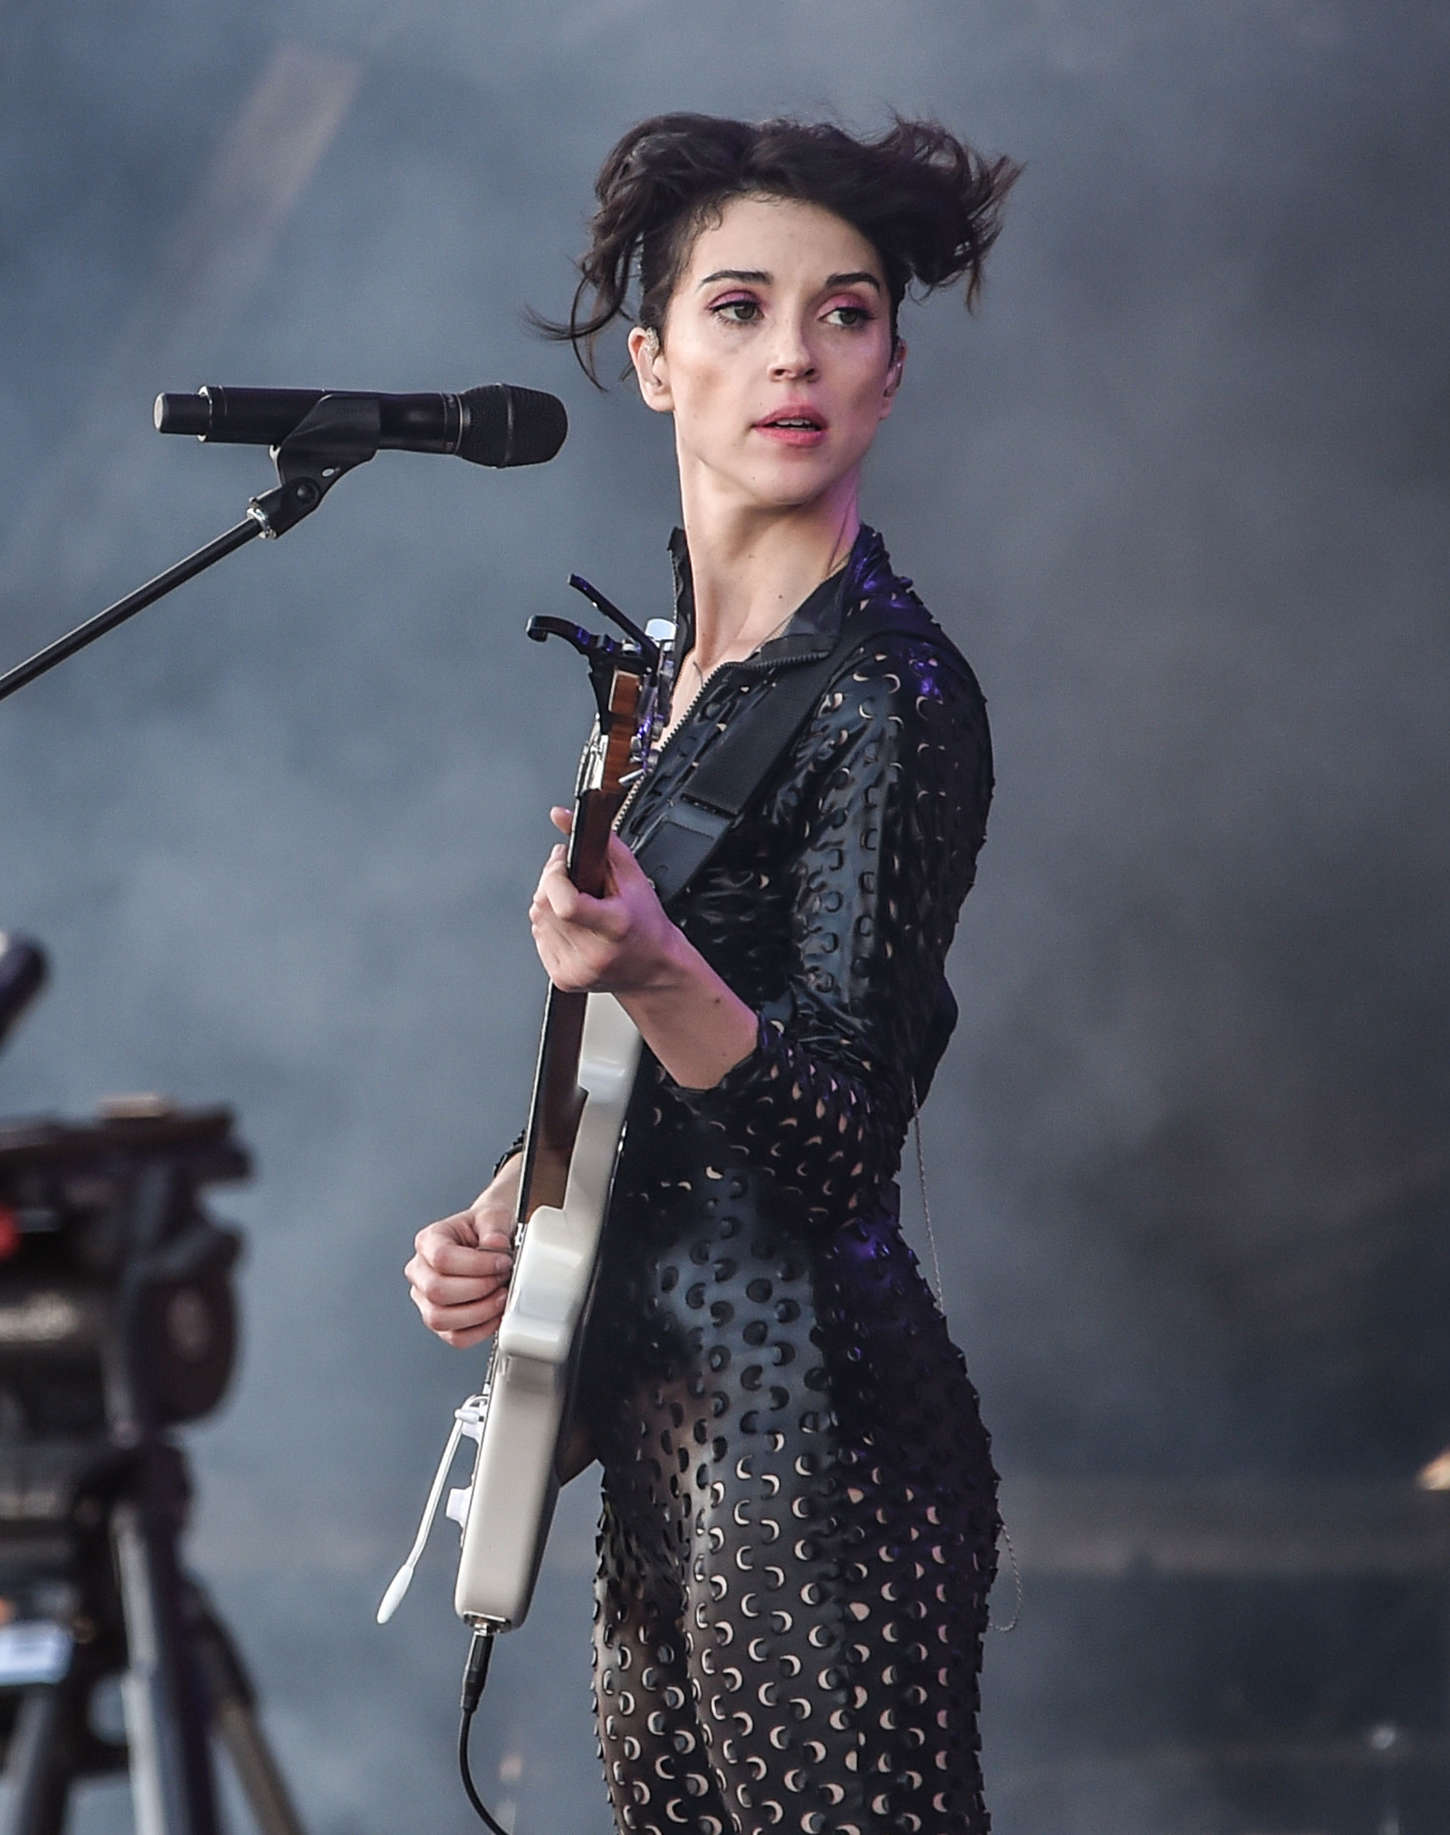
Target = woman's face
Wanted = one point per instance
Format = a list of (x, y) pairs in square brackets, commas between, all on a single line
[(776, 359)]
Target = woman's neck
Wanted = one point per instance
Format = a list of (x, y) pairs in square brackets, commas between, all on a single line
[(752, 568)]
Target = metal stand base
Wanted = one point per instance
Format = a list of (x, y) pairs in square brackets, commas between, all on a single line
[(94, 1493), (136, 1615), (176, 1702)]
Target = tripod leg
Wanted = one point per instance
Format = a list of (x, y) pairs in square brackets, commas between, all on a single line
[(38, 1774), (234, 1719), (161, 1694)]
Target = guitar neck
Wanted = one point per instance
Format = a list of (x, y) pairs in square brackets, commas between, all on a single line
[(557, 1100)]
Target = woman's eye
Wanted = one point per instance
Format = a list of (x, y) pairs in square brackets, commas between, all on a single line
[(737, 311), (849, 317)]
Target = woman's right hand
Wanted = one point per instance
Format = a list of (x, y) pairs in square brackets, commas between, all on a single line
[(459, 1275)]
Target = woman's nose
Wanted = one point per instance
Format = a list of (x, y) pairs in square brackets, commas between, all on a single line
[(791, 354)]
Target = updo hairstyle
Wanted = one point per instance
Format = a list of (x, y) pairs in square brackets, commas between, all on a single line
[(927, 202)]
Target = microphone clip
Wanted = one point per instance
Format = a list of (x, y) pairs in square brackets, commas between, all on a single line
[(336, 434)]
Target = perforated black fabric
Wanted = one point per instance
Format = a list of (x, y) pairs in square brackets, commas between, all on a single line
[(799, 1522)]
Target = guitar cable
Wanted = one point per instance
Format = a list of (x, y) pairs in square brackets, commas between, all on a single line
[(475, 1674)]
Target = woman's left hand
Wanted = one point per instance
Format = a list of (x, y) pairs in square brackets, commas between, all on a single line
[(619, 944)]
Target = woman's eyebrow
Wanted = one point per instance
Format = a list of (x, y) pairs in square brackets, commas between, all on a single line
[(759, 277)]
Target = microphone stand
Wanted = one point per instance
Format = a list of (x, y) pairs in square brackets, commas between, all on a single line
[(336, 434)]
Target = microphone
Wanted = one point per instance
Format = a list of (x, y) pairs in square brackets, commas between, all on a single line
[(493, 425), (22, 975)]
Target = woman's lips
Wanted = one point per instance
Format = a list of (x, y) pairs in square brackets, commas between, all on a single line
[(773, 430)]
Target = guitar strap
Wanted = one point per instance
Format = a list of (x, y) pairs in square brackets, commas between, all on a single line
[(683, 838)]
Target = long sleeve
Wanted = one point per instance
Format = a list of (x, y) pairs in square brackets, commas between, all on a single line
[(891, 780)]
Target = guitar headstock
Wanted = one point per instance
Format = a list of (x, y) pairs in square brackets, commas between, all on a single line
[(631, 678)]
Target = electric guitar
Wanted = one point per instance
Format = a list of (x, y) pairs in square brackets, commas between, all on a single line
[(521, 1418)]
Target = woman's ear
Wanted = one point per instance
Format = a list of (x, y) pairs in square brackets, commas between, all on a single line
[(893, 377), (651, 369)]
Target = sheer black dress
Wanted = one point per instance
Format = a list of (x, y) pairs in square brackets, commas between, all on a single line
[(799, 1521)]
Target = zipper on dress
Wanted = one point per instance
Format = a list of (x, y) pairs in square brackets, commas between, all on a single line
[(753, 665)]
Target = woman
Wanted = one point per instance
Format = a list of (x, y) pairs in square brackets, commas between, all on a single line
[(799, 1517)]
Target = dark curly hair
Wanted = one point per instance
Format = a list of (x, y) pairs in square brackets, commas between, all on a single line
[(927, 202)]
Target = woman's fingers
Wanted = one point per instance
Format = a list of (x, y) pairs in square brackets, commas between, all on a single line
[(464, 1326), (460, 1289), (442, 1303), (459, 1321), (624, 869), (459, 1275), (442, 1257), (556, 896), (617, 942), (480, 1228), (556, 893), (460, 1341)]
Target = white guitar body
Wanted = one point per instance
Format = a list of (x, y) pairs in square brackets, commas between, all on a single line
[(507, 1510), (588, 1055)]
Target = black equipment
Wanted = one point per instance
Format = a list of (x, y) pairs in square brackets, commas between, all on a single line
[(494, 425), (317, 438), (117, 1323)]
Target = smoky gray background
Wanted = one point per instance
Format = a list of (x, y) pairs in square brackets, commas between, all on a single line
[(1177, 490)]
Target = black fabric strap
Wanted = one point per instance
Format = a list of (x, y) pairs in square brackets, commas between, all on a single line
[(685, 836)]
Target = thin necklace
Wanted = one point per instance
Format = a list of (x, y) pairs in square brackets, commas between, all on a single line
[(769, 637)]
